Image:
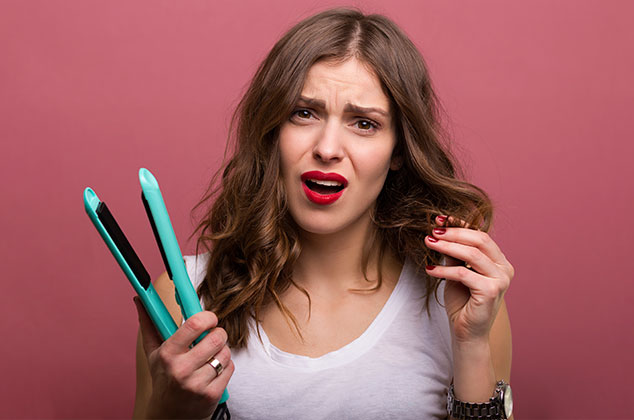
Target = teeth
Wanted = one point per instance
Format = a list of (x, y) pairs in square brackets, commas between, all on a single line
[(326, 183)]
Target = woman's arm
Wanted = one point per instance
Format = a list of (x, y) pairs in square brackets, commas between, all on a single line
[(474, 301), (478, 366)]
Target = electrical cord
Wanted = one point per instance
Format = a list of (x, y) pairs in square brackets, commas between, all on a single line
[(221, 413)]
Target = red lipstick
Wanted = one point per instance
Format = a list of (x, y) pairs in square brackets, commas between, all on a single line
[(323, 198)]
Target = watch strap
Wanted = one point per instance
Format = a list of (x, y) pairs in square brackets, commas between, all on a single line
[(473, 411), (491, 410)]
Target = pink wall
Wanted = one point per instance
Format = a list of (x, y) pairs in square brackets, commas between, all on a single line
[(540, 96)]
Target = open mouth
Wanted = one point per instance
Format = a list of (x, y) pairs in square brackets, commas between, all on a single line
[(324, 187)]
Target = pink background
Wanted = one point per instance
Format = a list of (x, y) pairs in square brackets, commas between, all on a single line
[(540, 97)]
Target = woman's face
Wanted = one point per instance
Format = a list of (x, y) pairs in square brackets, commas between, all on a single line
[(336, 148)]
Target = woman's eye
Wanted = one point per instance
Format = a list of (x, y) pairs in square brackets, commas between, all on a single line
[(303, 114), (366, 125)]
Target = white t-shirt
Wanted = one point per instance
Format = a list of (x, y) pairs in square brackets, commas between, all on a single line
[(399, 368)]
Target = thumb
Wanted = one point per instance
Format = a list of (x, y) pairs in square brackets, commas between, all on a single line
[(151, 338)]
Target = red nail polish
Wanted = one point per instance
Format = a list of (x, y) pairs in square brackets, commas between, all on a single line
[(441, 219), (432, 239), (430, 267), (440, 231)]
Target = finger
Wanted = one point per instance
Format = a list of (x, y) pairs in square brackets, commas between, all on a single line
[(204, 374), (197, 324), (217, 385), (208, 346), (223, 356), (474, 238), (211, 384), (477, 283), (441, 220), (471, 255), (444, 220), (151, 338)]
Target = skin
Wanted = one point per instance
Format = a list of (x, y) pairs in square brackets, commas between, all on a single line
[(331, 139)]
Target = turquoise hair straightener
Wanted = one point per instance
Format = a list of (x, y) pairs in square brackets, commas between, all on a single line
[(134, 270)]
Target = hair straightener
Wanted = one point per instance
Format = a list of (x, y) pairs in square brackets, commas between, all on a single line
[(136, 273)]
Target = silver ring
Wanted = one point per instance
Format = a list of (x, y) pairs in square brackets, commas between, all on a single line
[(215, 363)]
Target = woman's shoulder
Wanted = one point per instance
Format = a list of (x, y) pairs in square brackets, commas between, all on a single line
[(196, 266)]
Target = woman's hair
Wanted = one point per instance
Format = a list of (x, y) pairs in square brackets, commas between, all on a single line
[(247, 229)]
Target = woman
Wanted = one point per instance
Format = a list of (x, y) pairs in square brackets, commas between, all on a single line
[(325, 241)]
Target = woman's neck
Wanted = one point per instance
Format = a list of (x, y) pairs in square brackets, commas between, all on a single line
[(334, 262)]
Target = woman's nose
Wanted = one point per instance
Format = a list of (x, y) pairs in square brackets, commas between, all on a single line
[(328, 146)]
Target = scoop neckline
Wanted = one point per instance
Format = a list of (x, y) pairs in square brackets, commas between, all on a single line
[(349, 352)]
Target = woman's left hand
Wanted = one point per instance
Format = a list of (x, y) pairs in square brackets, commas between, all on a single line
[(472, 296)]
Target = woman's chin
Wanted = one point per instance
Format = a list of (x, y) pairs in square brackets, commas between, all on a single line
[(320, 233), (329, 226), (314, 228)]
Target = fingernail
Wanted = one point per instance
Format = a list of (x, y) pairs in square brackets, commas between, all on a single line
[(441, 219), (432, 239), (430, 267), (440, 231)]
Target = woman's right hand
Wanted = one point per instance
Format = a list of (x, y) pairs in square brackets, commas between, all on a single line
[(184, 384)]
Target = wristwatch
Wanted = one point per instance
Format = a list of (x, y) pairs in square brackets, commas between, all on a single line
[(500, 406)]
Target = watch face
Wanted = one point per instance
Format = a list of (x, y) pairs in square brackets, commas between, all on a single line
[(508, 401)]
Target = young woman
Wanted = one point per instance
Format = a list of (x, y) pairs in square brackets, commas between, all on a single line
[(328, 241)]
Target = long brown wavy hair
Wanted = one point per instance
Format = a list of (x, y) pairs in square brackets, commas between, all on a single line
[(247, 229)]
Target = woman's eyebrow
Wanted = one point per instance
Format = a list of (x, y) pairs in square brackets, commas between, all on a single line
[(317, 103), (362, 110)]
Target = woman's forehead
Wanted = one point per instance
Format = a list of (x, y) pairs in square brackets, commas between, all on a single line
[(341, 83)]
